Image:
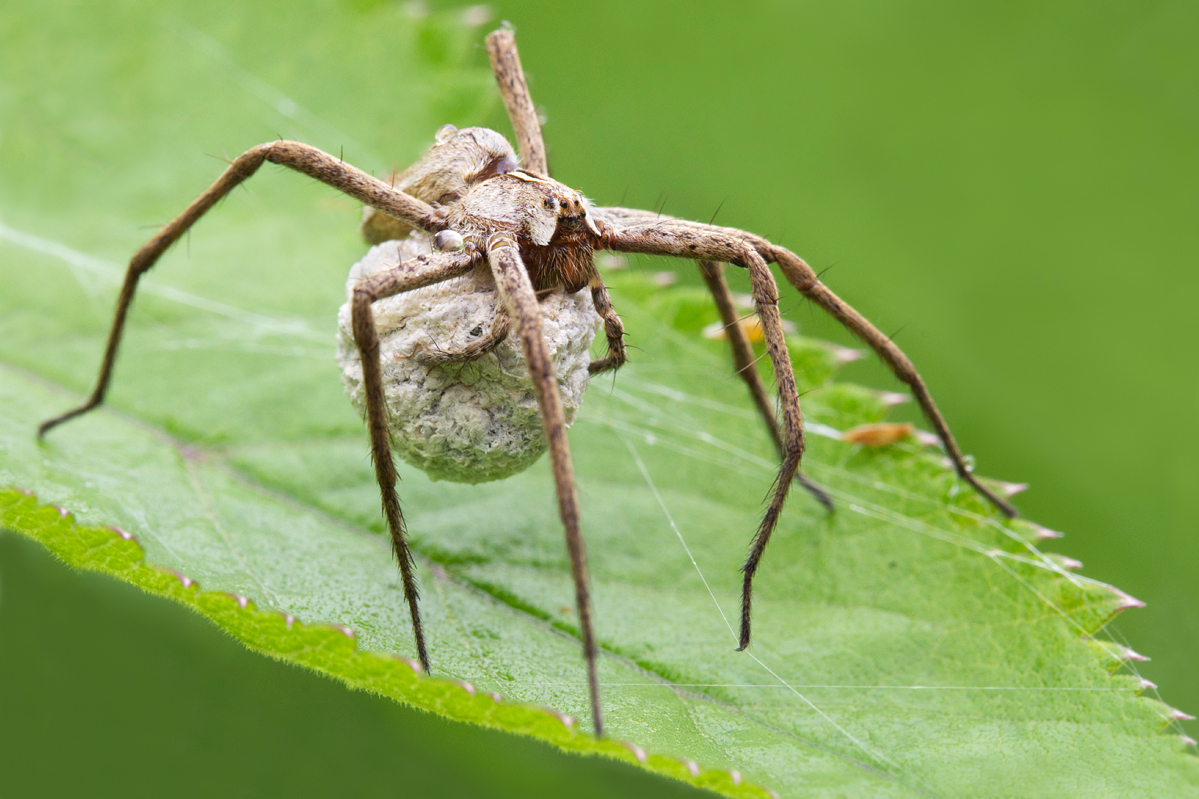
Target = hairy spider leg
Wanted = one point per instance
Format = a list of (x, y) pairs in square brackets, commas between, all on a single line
[(710, 243), (500, 327), (802, 277), (294, 155), (613, 329), (516, 290), (424, 270), (361, 186), (659, 239), (505, 64), (517, 293), (745, 365)]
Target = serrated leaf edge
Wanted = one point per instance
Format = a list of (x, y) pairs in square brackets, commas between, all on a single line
[(323, 648)]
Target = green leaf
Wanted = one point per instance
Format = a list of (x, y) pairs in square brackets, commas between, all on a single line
[(912, 643)]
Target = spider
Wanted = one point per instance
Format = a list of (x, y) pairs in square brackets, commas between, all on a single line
[(495, 214)]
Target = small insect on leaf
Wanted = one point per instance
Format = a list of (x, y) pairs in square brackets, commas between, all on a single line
[(878, 435)]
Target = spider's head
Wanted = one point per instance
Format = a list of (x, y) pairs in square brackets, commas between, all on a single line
[(573, 210), (553, 210), (540, 209)]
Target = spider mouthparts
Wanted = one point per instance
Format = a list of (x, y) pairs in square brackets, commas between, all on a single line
[(578, 222)]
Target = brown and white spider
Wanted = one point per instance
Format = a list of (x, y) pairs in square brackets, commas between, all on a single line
[(506, 220)]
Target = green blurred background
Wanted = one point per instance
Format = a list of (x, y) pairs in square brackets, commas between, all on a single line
[(1012, 187)]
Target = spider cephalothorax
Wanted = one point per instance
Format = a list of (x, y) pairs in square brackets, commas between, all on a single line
[(529, 236), (472, 178), (552, 224)]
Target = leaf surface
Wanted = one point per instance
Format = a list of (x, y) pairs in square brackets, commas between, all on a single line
[(913, 643)]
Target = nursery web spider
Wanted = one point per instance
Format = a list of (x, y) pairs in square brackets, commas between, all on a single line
[(491, 211)]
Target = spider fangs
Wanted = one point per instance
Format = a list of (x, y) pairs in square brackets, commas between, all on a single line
[(534, 235)]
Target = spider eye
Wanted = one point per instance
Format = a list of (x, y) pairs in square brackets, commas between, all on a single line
[(549, 203)]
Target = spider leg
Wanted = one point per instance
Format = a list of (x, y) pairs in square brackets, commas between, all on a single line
[(505, 63), (500, 327), (766, 300), (707, 242), (668, 236), (801, 276), (613, 329), (421, 271), (660, 239), (516, 290), (743, 357), (744, 362), (300, 157)]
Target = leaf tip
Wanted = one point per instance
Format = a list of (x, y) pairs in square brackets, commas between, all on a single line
[(1125, 601), (1131, 654), (125, 536), (1064, 562), (637, 751), (567, 721), (410, 663), (1009, 490), (927, 439), (844, 355), (186, 581), (1043, 533), (1117, 654)]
